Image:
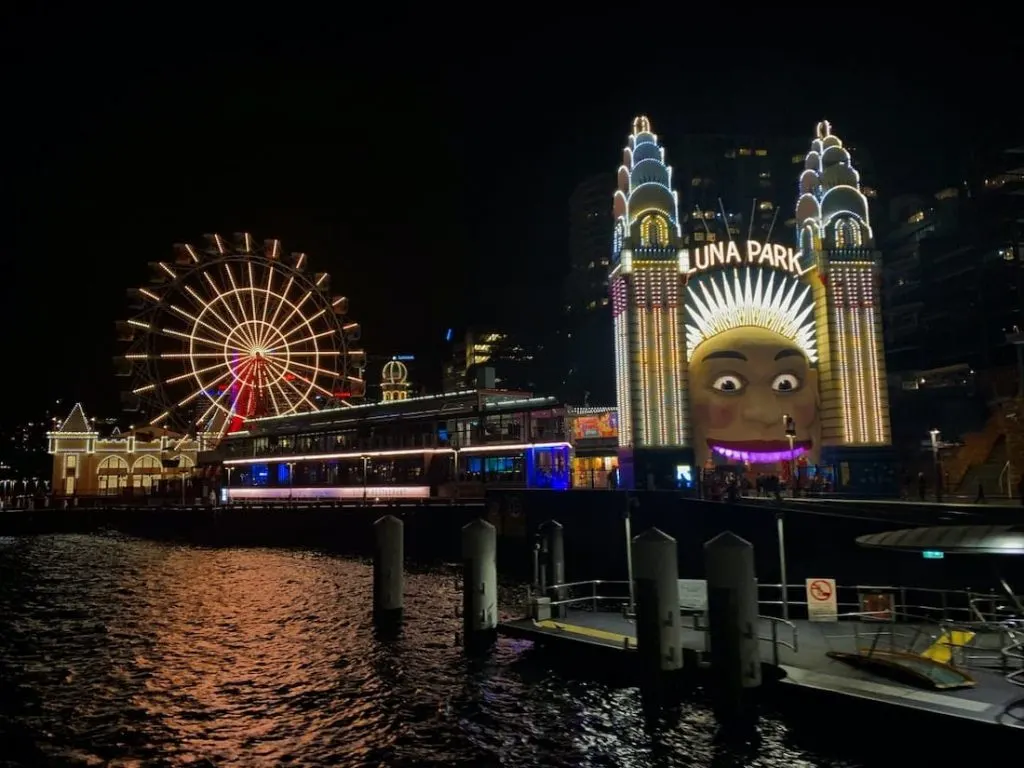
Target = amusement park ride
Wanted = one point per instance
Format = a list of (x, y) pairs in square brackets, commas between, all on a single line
[(233, 331)]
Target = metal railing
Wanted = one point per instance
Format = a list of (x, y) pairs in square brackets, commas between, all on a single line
[(920, 603), (1015, 652), (912, 614), (593, 597)]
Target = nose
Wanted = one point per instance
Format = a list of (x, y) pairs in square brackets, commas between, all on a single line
[(760, 410)]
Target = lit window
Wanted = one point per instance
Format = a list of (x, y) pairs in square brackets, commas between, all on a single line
[(744, 152), (761, 153)]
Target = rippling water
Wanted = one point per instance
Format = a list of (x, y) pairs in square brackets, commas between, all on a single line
[(123, 652)]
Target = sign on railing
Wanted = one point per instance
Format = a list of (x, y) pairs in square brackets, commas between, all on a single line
[(822, 604), (693, 595)]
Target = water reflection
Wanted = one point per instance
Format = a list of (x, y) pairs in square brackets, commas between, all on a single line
[(151, 654)]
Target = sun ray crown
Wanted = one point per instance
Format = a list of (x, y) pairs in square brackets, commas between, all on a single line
[(742, 298)]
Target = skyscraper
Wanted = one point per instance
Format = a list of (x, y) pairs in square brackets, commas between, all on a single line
[(588, 318)]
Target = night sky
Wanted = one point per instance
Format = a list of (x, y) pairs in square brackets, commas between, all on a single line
[(430, 179)]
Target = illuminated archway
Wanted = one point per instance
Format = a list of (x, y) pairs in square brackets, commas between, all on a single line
[(654, 231)]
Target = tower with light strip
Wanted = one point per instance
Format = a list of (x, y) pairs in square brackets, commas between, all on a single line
[(645, 284), (834, 229)]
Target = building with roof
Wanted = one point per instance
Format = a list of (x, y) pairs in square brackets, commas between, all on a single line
[(137, 462)]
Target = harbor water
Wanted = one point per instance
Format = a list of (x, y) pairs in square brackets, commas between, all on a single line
[(122, 652)]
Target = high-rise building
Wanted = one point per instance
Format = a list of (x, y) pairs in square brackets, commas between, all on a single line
[(742, 351), (588, 320), (736, 187), (490, 358), (954, 270)]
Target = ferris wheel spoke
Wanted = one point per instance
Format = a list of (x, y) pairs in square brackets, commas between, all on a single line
[(203, 390), (282, 298), (314, 368), (312, 384), (188, 337), (216, 405), (237, 327), (207, 310), (198, 321), (309, 353), (252, 292), (204, 307), (268, 292), (281, 373), (292, 401), (305, 339), (297, 307), (238, 299)]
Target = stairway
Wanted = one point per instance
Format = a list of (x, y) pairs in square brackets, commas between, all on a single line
[(976, 449), (987, 473)]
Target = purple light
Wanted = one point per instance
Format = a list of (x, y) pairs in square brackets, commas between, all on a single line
[(759, 457)]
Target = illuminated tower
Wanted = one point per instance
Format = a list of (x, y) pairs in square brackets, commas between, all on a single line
[(644, 283), (834, 227), (394, 381)]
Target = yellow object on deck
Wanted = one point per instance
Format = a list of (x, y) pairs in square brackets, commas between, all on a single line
[(942, 649), (597, 634)]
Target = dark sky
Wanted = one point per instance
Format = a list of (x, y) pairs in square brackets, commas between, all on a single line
[(429, 175)]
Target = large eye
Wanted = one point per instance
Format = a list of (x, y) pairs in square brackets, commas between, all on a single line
[(728, 382), (785, 382)]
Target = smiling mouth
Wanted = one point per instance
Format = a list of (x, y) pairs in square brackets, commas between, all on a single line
[(760, 451)]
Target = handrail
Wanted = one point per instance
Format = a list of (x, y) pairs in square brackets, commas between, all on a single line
[(885, 624), (1014, 651)]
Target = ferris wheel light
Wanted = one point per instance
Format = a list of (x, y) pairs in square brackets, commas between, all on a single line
[(255, 335)]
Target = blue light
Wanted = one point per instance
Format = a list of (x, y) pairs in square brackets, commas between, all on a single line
[(933, 554), (548, 468), (448, 335)]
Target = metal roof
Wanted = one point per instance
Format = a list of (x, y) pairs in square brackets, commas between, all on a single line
[(963, 539)]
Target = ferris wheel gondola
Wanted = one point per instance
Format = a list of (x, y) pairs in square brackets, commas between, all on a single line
[(231, 332)]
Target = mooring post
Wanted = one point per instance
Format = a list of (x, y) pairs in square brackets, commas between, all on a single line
[(659, 631), (733, 626), (479, 584), (388, 570), (553, 552)]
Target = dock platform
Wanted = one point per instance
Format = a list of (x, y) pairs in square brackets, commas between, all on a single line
[(799, 650)]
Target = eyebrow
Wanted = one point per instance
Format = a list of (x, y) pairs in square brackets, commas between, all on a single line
[(726, 354), (789, 353)]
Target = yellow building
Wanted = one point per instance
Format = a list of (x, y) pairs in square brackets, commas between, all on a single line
[(133, 462)]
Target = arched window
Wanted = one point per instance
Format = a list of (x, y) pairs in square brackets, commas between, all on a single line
[(184, 462), (848, 234), (807, 241), (146, 471), (111, 475), (654, 231)]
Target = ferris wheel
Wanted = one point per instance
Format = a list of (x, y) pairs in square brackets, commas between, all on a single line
[(234, 331)]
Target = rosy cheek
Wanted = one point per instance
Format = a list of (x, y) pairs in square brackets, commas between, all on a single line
[(715, 417)]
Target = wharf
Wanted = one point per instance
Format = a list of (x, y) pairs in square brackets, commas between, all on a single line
[(798, 649)]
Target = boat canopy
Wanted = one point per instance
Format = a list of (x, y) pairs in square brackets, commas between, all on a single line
[(959, 539)]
